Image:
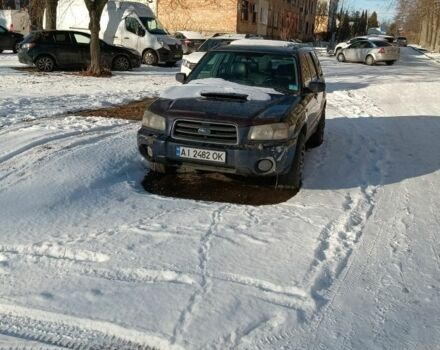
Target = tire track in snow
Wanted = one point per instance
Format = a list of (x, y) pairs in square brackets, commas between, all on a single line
[(75, 333), (205, 281)]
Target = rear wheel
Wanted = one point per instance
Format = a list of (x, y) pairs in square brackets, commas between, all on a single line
[(45, 64), (340, 57), (150, 57), (370, 60), (121, 63), (318, 136), (293, 179), (390, 63)]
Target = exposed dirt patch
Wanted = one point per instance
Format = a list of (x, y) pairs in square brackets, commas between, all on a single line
[(130, 111), (215, 187)]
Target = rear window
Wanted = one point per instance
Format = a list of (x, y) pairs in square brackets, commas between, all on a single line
[(380, 43), (63, 38)]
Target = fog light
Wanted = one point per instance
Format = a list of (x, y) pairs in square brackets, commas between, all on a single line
[(150, 151), (264, 165)]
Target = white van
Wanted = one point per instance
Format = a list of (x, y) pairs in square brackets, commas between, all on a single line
[(127, 23)]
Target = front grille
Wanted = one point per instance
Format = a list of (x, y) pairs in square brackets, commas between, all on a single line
[(218, 133)]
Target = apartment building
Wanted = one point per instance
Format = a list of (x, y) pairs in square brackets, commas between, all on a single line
[(279, 19)]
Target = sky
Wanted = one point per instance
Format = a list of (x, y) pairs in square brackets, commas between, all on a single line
[(384, 8)]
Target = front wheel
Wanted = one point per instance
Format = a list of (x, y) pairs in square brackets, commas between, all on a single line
[(16, 47), (370, 60), (121, 63), (150, 57), (293, 179), (340, 57), (45, 64)]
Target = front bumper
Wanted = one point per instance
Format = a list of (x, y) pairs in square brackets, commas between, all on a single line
[(240, 159), (24, 57), (174, 54)]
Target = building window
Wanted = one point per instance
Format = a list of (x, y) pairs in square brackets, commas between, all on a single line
[(254, 13), (245, 10)]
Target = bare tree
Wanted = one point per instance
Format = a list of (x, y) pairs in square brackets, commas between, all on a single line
[(288, 25), (51, 14), (95, 8), (36, 13)]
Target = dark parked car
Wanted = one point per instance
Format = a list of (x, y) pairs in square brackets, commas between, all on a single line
[(9, 40), (61, 49), (402, 41), (247, 109), (191, 41)]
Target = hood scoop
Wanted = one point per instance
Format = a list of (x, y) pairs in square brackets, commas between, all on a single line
[(230, 96)]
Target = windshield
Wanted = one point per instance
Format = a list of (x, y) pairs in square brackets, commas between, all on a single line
[(153, 25), (212, 44), (278, 72)]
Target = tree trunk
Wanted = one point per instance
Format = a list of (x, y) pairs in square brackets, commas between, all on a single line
[(95, 8), (51, 14), (36, 13)]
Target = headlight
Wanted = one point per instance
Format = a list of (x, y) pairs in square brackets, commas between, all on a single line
[(153, 121), (278, 131)]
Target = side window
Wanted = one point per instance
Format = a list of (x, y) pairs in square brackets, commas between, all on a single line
[(179, 36), (133, 26), (62, 38), (365, 45), (81, 39), (317, 64), (305, 71), (312, 67)]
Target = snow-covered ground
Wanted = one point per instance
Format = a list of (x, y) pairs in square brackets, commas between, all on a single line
[(88, 258)]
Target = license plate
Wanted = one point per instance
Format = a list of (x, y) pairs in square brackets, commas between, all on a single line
[(201, 154)]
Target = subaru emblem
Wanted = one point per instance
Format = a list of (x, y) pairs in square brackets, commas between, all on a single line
[(204, 131)]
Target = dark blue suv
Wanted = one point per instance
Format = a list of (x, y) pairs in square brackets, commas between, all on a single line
[(249, 108)]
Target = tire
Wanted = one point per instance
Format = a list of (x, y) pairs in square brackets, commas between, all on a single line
[(16, 47), (318, 136), (390, 63), (161, 168), (337, 52), (370, 60), (1, 50), (150, 57), (293, 179), (340, 57), (121, 63), (45, 64)]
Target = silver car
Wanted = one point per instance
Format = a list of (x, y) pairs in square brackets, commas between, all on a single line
[(370, 52)]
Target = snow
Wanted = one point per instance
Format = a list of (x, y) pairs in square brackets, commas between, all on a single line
[(263, 42), (196, 88), (88, 257)]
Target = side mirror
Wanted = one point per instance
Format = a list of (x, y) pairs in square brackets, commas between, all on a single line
[(316, 86), (181, 77)]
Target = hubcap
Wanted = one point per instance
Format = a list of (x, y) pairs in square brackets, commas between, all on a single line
[(122, 63), (149, 58), (45, 64)]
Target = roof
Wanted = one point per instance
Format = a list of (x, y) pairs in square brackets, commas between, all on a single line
[(191, 35), (263, 46)]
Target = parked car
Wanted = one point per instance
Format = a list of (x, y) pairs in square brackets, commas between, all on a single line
[(402, 41), (344, 44), (61, 49), (127, 23), (9, 40), (190, 61), (244, 109), (370, 52), (191, 41)]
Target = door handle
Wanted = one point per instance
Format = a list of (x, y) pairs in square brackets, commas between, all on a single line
[(126, 37)]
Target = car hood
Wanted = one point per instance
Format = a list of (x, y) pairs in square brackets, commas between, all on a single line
[(194, 57), (240, 104)]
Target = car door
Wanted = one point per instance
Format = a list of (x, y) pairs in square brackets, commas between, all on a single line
[(5, 39), (351, 52), (66, 52), (315, 101), (132, 33), (364, 48), (82, 42)]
